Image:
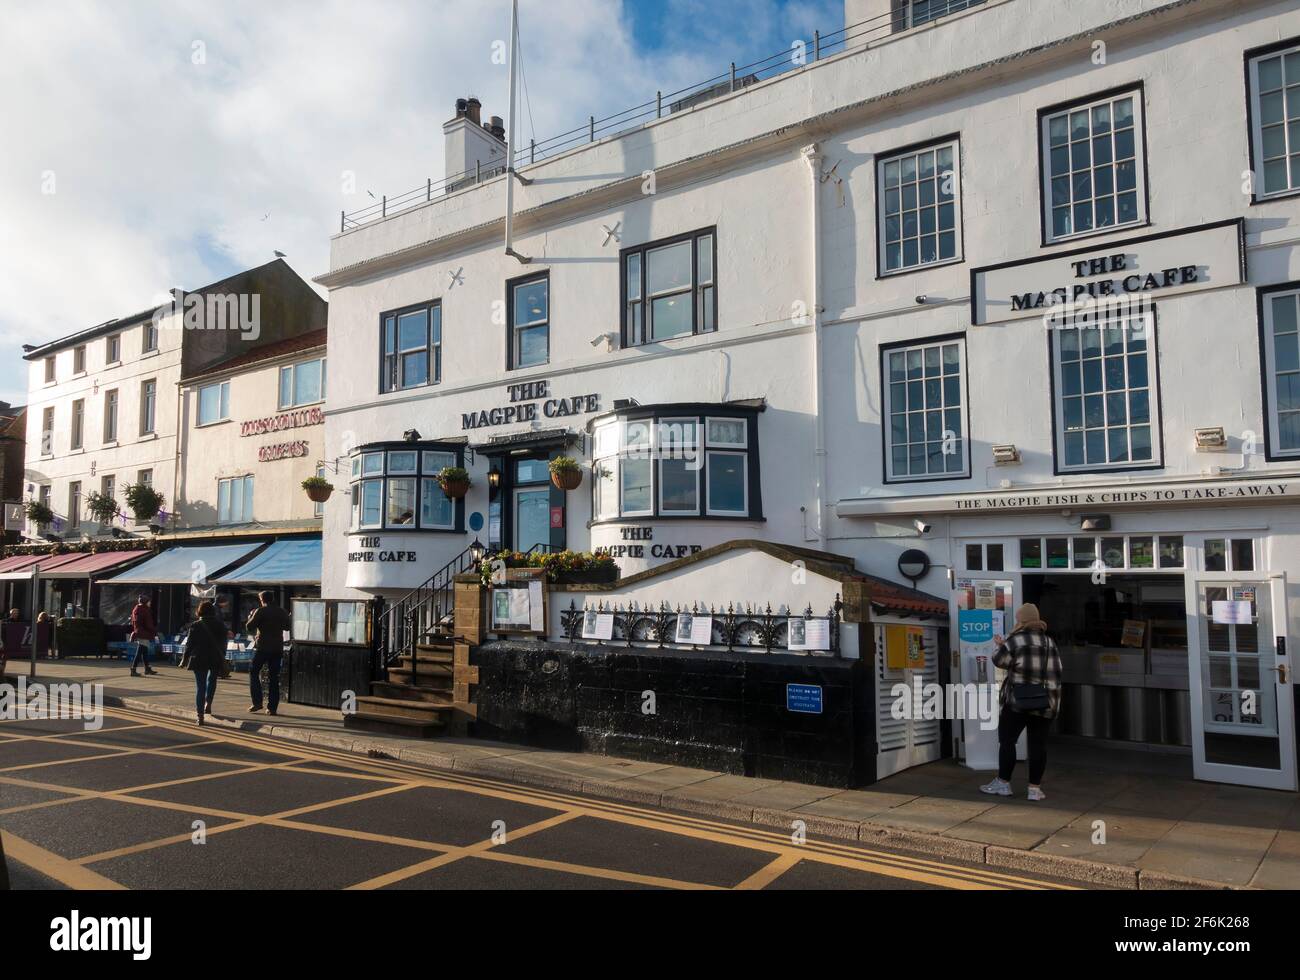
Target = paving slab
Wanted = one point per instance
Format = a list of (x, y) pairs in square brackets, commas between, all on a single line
[(855, 805), (1009, 825), (668, 778), (1205, 850), (784, 796), (1281, 865), (932, 816), (1127, 836)]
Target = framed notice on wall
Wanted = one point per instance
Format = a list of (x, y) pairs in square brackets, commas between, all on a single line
[(518, 604)]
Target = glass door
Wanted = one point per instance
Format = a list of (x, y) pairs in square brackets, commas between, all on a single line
[(532, 518), (1243, 724)]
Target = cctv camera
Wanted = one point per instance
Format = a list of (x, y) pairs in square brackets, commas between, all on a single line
[(922, 299), (922, 527), (606, 338)]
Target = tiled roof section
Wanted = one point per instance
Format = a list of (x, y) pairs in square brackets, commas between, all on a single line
[(291, 345), (893, 597)]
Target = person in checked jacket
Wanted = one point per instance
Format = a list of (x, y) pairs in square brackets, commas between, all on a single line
[(1030, 698)]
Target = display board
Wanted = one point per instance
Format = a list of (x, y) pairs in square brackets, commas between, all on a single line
[(517, 605)]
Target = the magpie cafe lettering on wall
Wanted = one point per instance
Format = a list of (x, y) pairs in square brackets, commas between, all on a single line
[(1127, 495), (278, 423), (372, 550), (1145, 269), (390, 561), (639, 543), (527, 403)]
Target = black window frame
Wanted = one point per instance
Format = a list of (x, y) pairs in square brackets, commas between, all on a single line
[(432, 351), (511, 286), (625, 328), (700, 413), (959, 202), (1255, 54), (886, 446), (1273, 453), (1141, 153), (355, 483)]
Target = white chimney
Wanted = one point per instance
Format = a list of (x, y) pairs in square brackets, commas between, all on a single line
[(471, 147)]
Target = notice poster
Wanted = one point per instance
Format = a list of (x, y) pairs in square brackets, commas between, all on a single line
[(694, 630), (536, 608), (1235, 613), (1135, 631), (808, 634), (597, 626), (986, 595)]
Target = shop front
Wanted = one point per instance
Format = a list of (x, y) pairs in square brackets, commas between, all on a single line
[(1172, 620)]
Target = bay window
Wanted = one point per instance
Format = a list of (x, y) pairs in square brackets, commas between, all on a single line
[(663, 463), (669, 288), (397, 487)]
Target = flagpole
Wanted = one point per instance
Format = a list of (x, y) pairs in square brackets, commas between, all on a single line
[(510, 135)]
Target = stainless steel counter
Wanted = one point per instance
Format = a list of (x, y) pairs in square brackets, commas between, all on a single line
[(1107, 694)]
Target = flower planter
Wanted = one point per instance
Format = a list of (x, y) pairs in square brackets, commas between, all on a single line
[(566, 479), (455, 489), (319, 494)]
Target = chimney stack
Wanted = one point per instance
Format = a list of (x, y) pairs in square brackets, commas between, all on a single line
[(473, 150), (497, 128), (473, 109)]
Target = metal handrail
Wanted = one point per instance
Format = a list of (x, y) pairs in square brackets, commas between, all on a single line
[(419, 614), (626, 120)]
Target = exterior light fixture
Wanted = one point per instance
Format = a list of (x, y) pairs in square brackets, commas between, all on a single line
[(1007, 455), (1094, 522), (494, 478), (477, 551), (913, 565), (1208, 440)]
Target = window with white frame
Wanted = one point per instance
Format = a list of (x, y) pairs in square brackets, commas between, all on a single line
[(1275, 120), (79, 359), (925, 411), (398, 488), (78, 423), (1281, 352), (1107, 406), (412, 349), (148, 405), (110, 415), (214, 403), (529, 307), (919, 217), (673, 465), (47, 432), (669, 288), (1094, 174), (149, 337), (74, 504), (235, 500), (302, 384), (113, 348), (49, 370)]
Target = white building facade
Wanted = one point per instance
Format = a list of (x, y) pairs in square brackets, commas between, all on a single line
[(845, 308)]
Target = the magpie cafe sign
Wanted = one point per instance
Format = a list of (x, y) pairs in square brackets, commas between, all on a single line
[(391, 561), (528, 402), (1139, 270), (1074, 498)]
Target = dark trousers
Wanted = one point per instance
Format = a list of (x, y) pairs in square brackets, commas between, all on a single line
[(1010, 725), (141, 656), (271, 659), (205, 689)]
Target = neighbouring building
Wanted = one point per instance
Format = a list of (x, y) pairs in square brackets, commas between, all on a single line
[(844, 308), (112, 406), (13, 450)]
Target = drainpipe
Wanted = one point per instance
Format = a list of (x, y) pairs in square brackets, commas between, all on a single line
[(813, 156)]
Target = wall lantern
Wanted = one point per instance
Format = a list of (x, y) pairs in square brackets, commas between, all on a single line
[(913, 565), (477, 551), (494, 478)]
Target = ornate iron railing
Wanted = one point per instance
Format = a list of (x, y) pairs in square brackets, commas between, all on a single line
[(733, 628)]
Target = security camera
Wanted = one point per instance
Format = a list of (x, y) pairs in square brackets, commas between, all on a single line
[(606, 338), (922, 527), (922, 299)]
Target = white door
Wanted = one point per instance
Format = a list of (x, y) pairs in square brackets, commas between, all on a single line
[(1243, 709), (913, 740)]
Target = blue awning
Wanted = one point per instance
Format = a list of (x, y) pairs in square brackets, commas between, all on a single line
[(284, 563), (186, 565)]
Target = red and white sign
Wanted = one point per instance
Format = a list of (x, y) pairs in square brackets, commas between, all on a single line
[(278, 423)]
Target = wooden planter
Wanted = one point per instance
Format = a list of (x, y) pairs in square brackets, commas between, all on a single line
[(319, 494), (455, 489), (567, 479)]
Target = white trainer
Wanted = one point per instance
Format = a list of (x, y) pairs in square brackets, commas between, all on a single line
[(996, 788), (1036, 794)]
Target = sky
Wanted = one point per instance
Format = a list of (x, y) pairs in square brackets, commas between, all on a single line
[(150, 144)]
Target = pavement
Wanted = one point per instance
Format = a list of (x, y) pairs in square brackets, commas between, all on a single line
[(1113, 818)]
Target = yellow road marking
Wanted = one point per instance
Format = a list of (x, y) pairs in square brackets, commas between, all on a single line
[(767, 874), (62, 870), (408, 776)]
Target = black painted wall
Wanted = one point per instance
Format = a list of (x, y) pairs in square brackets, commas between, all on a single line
[(714, 710)]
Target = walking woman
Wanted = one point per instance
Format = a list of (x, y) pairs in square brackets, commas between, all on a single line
[(205, 651), (1030, 699)]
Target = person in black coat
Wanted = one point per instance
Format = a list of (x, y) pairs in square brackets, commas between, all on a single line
[(269, 623), (205, 651)]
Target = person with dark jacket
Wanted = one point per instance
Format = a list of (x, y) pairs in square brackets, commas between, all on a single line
[(143, 632), (270, 622), (205, 651), (1030, 698)]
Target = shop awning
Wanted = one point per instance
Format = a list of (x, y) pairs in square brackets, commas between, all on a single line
[(93, 565), (23, 566), (284, 563), (186, 565)]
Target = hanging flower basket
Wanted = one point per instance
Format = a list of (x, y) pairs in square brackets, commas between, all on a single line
[(318, 489), (566, 473), (455, 482)]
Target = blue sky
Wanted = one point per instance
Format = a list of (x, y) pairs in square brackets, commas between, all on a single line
[(164, 143)]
